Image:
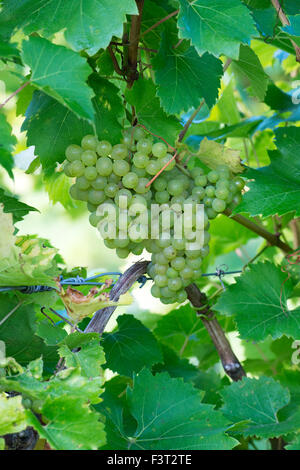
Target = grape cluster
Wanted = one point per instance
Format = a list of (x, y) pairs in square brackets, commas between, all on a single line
[(118, 175)]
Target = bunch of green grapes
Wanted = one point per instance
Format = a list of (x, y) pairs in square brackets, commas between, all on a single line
[(118, 175)]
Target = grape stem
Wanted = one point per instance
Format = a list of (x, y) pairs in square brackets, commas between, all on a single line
[(272, 239), (14, 94)]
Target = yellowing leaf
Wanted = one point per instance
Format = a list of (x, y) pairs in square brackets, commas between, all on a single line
[(12, 415), (213, 154), (7, 239)]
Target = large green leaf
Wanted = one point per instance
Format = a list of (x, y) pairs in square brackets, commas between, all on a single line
[(184, 78), (170, 415), (250, 68), (16, 208), (259, 401), (6, 145), (149, 113), (61, 73), (51, 127), (131, 347), (216, 26), (89, 24), (276, 188), (255, 301)]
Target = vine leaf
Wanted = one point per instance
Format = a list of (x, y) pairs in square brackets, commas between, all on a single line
[(213, 154), (61, 73), (254, 300), (259, 401), (12, 414), (276, 188), (184, 78), (13, 206), (170, 415), (131, 347), (149, 112), (90, 25), (51, 127), (7, 144), (216, 26)]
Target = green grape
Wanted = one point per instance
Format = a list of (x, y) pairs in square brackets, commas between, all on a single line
[(160, 183), (96, 197), (121, 242), (178, 243), (159, 150), (197, 273), (140, 160), (137, 250), (73, 152), (139, 133), (155, 291), (223, 184), (170, 252), (175, 187), (201, 180), (151, 270), (109, 243), (239, 183), (171, 273), (218, 205), (166, 292), (104, 148), (122, 252), (160, 268), (123, 198), (161, 259), (89, 158), (153, 248), (164, 240), (237, 199), (168, 300), (113, 178), (161, 280), (82, 183), (199, 191), (141, 186), (68, 170), (223, 171), (111, 189), (153, 167), (222, 193), (210, 191), (119, 152), (186, 273), (121, 167), (92, 207), (213, 176), (94, 219), (161, 197), (178, 263), (78, 194), (163, 161), (104, 166), (211, 214), (90, 173), (89, 142), (207, 201), (141, 172), (192, 254), (181, 296), (77, 168), (144, 146), (100, 182), (204, 251), (194, 263), (180, 200), (138, 199), (197, 171), (130, 180), (175, 284)]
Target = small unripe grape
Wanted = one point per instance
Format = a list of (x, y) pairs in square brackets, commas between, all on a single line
[(161, 280), (141, 186), (94, 219), (144, 146), (139, 133), (175, 187), (161, 197), (223, 171), (113, 178), (178, 243), (171, 273), (161, 259), (159, 150), (123, 198), (170, 252), (109, 243), (186, 273), (165, 160), (111, 189), (100, 182), (207, 201), (199, 191), (77, 168), (194, 263), (197, 171), (121, 167), (96, 197), (90, 173), (239, 183), (210, 191), (153, 167), (197, 274), (104, 166), (82, 183), (213, 176), (141, 172), (103, 148), (140, 160), (178, 263), (218, 205), (122, 252), (73, 152), (68, 170), (130, 180), (121, 242), (175, 284), (89, 158), (181, 296), (211, 214), (166, 292), (201, 180), (223, 184), (222, 193), (92, 207), (160, 268), (119, 152), (78, 194), (155, 291), (89, 142)]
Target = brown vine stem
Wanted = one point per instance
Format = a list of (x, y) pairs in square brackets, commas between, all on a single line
[(285, 22), (230, 362), (272, 239), (134, 38), (14, 94)]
